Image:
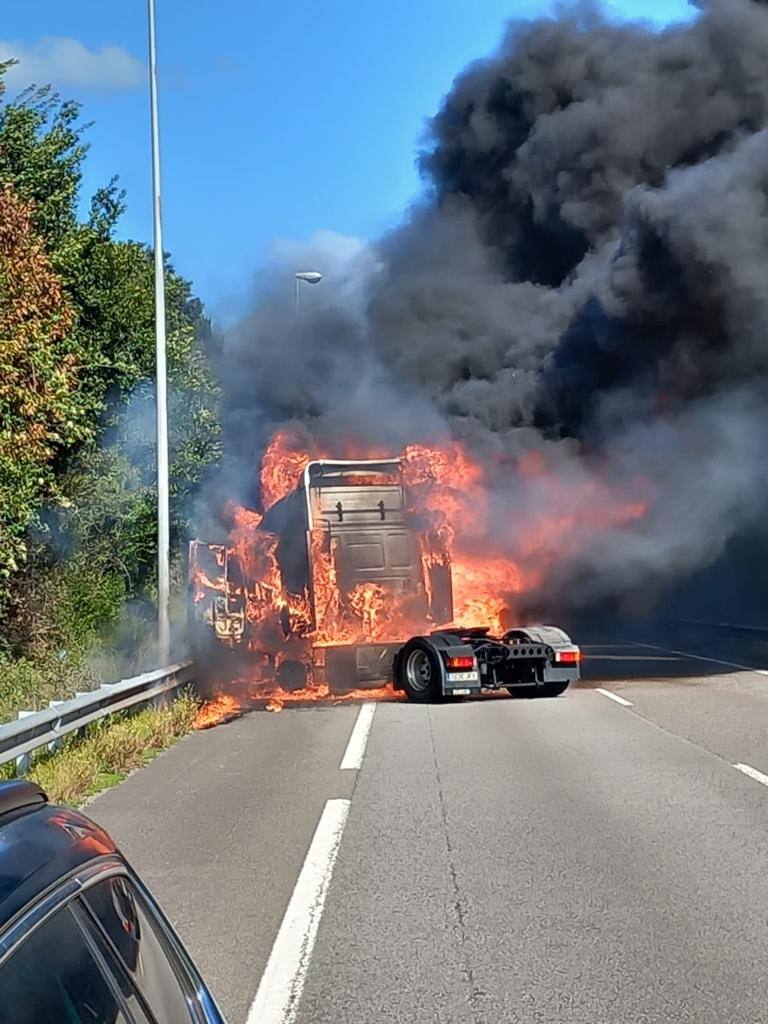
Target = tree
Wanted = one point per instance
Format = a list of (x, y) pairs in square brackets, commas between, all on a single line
[(40, 409), (77, 368)]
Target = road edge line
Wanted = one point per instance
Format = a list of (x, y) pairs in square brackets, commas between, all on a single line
[(614, 696), (353, 755), (702, 657), (277, 998), (753, 773)]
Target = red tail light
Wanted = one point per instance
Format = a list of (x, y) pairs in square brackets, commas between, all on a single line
[(468, 662), (568, 657)]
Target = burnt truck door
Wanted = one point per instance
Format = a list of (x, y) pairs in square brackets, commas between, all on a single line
[(361, 508), (216, 591)]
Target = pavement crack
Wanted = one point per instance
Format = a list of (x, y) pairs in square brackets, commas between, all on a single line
[(457, 907)]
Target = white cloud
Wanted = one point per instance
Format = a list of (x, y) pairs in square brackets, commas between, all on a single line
[(66, 62)]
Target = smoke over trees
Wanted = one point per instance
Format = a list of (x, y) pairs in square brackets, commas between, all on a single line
[(583, 277)]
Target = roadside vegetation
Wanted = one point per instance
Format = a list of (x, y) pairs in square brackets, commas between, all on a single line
[(109, 751), (77, 497)]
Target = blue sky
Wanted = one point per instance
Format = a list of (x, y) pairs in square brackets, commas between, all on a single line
[(278, 119)]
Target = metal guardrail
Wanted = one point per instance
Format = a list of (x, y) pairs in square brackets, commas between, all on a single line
[(47, 728)]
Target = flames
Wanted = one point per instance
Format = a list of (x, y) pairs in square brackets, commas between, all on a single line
[(281, 466), (453, 492), (227, 706), (222, 708), (488, 552)]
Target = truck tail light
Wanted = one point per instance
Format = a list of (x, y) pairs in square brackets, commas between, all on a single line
[(568, 657), (464, 662)]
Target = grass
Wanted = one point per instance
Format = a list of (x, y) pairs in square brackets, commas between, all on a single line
[(110, 750), (27, 685)]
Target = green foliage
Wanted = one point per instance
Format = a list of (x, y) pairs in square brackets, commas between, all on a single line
[(69, 603), (40, 410), (42, 153), (77, 358), (28, 683)]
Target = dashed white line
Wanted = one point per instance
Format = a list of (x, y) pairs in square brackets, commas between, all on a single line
[(353, 756), (277, 1000), (702, 657), (615, 696), (753, 773)]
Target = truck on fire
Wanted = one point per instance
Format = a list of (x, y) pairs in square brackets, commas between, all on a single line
[(354, 566)]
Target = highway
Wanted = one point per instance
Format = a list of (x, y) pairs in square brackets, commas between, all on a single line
[(586, 859)]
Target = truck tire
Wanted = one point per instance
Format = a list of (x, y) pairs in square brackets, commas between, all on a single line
[(418, 672), (292, 675), (523, 692), (551, 689)]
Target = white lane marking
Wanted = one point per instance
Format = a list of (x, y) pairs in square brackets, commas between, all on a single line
[(353, 756), (614, 696), (753, 773), (277, 1000), (701, 657)]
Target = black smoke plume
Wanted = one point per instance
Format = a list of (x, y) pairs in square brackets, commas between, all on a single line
[(585, 276)]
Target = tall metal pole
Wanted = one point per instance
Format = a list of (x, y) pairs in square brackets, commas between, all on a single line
[(163, 527), (297, 294)]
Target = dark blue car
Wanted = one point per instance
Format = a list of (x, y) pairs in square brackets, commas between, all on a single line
[(81, 939)]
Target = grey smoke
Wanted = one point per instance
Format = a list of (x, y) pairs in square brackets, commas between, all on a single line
[(584, 276)]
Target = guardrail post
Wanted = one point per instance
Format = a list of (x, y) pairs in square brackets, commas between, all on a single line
[(161, 700), (24, 761), (55, 745)]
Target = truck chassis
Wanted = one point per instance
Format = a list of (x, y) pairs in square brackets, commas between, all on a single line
[(538, 661)]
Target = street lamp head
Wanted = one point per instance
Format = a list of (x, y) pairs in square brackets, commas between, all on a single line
[(310, 276)]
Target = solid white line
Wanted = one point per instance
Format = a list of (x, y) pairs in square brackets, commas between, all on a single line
[(277, 1000), (753, 773), (701, 657), (613, 696), (353, 756)]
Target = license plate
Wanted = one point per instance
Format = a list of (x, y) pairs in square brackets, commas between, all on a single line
[(461, 693), (463, 677)]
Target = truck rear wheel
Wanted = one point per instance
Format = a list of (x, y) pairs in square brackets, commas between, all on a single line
[(533, 692), (551, 689), (418, 672), (523, 692), (292, 675)]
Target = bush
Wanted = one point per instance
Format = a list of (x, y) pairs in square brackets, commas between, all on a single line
[(77, 446), (29, 685)]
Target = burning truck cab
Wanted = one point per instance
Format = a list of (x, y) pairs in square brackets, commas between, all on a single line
[(347, 542), (352, 520), (330, 587)]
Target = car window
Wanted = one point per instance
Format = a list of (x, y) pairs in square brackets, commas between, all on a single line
[(55, 977), (136, 936)]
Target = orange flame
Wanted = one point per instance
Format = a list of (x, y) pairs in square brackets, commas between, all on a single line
[(450, 507), (284, 461), (225, 706), (214, 712)]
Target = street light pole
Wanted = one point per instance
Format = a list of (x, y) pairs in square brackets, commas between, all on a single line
[(163, 516), (311, 277)]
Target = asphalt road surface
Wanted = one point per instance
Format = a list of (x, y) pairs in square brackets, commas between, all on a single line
[(586, 859)]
